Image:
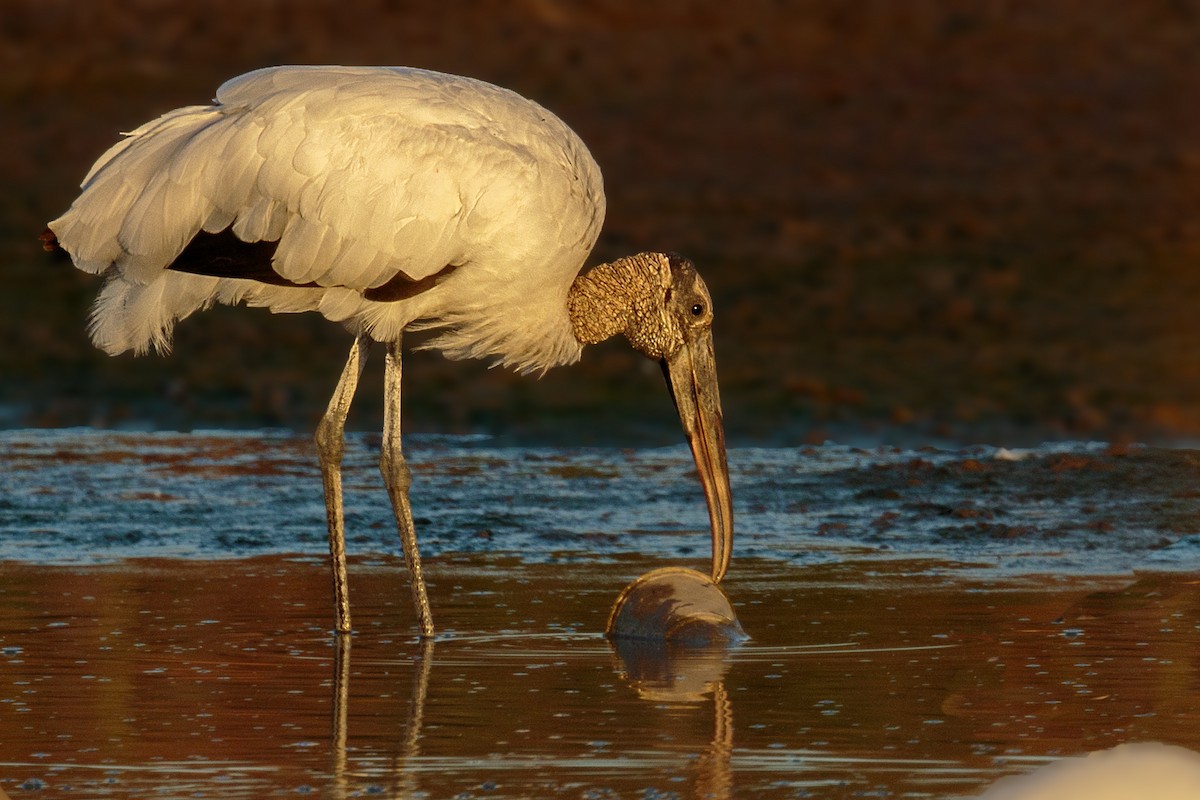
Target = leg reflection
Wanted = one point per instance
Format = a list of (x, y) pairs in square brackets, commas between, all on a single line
[(404, 782), (416, 707), (404, 777), (341, 710)]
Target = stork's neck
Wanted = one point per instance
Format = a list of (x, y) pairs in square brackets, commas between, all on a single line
[(609, 298)]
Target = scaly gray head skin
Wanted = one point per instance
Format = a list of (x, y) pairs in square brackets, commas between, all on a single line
[(662, 306)]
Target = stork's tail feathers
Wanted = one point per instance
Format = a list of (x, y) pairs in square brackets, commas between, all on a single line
[(125, 316), (142, 201), (141, 316)]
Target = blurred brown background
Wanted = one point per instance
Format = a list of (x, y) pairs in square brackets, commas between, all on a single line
[(927, 217)]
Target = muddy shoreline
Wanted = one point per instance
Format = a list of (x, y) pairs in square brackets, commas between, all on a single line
[(949, 218)]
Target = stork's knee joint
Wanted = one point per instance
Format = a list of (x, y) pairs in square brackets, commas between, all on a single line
[(395, 469), (330, 443)]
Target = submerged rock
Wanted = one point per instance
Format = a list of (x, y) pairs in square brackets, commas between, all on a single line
[(676, 606)]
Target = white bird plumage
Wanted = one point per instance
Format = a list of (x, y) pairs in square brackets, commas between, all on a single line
[(387, 199), (1131, 771), (292, 154)]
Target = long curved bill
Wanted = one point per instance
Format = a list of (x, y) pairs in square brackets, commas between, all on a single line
[(692, 378)]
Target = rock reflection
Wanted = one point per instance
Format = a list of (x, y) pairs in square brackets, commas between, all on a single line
[(674, 673), (667, 673)]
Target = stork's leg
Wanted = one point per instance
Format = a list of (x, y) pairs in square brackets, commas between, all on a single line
[(330, 448), (398, 478)]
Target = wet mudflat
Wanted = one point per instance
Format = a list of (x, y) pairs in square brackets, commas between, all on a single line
[(922, 622)]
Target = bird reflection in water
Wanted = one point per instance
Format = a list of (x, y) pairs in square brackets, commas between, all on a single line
[(676, 675), (671, 633)]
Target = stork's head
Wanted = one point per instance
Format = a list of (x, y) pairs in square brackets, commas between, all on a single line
[(663, 307)]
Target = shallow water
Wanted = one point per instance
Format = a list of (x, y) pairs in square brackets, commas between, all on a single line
[(85, 496), (165, 614)]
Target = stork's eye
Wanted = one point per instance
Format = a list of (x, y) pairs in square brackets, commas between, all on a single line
[(697, 309)]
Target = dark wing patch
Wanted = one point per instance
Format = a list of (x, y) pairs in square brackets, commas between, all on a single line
[(223, 255), (402, 287)]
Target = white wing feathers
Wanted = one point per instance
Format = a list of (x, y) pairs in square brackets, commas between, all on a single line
[(358, 173)]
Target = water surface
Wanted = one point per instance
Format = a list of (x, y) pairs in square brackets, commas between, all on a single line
[(922, 622)]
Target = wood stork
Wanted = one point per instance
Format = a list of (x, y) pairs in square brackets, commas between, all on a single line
[(387, 199)]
